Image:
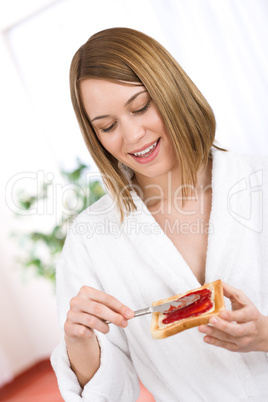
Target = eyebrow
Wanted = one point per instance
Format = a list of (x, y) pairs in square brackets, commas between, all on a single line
[(127, 103)]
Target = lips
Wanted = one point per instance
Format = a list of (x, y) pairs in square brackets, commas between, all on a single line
[(141, 150), (147, 153)]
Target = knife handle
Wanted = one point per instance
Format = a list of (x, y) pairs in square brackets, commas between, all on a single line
[(138, 313), (143, 311)]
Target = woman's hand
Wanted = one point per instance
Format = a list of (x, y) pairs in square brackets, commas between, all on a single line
[(88, 311), (244, 329)]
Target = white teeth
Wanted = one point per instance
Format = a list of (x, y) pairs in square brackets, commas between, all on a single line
[(145, 151)]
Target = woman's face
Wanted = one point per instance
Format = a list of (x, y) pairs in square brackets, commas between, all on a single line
[(129, 126)]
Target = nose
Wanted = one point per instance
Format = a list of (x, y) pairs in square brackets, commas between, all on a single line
[(133, 132)]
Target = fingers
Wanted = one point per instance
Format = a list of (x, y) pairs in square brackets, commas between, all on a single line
[(90, 309), (243, 309), (103, 305), (222, 344), (226, 331), (242, 315), (230, 335), (82, 324), (243, 329), (235, 295), (107, 300), (220, 334)]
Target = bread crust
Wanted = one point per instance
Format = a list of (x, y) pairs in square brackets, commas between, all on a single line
[(186, 323)]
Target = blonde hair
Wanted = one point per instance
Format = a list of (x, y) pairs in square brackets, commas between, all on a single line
[(124, 54)]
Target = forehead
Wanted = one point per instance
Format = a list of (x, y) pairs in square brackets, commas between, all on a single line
[(98, 95)]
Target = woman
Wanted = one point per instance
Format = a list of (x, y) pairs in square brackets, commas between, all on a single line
[(158, 233)]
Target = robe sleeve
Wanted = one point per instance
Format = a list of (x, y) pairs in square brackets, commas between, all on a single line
[(116, 379)]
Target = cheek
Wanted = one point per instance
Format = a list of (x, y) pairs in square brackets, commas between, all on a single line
[(110, 143), (157, 121)]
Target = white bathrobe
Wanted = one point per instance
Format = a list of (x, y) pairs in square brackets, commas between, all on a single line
[(137, 263)]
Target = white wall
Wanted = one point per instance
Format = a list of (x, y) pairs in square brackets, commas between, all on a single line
[(29, 329)]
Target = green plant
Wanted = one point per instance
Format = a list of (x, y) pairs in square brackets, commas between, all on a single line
[(40, 249)]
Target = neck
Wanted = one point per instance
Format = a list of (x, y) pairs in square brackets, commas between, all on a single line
[(168, 186)]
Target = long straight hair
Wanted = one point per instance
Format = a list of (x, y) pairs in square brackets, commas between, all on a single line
[(126, 55)]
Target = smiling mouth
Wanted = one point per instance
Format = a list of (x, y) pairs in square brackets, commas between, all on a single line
[(147, 151)]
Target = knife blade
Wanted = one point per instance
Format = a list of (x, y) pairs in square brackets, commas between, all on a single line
[(169, 306)]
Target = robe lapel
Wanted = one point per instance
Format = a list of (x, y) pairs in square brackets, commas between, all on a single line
[(158, 250)]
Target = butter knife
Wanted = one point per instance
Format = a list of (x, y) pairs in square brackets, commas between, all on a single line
[(165, 307)]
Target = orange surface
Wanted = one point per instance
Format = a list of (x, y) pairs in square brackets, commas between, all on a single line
[(39, 384)]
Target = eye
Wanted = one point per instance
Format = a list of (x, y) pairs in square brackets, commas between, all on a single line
[(110, 128), (143, 109)]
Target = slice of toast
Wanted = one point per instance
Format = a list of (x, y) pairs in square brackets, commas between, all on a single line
[(210, 302)]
